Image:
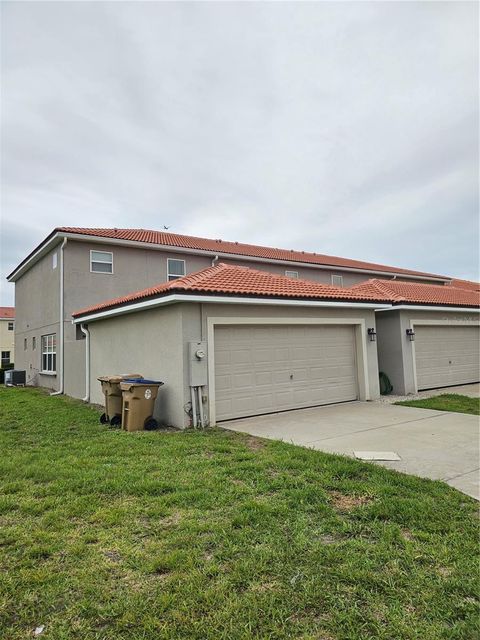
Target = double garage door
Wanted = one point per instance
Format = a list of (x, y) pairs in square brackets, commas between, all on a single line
[(267, 368), (446, 355)]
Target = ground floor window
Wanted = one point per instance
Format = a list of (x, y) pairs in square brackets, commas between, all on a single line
[(49, 353), (5, 358)]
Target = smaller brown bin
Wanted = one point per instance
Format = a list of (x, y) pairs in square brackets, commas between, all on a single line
[(138, 401), (113, 397)]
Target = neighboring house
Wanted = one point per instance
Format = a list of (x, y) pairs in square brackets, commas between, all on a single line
[(271, 343), (430, 337), (74, 268), (7, 335)]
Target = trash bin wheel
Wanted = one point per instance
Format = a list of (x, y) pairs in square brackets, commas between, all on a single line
[(103, 418), (150, 424), (116, 421)]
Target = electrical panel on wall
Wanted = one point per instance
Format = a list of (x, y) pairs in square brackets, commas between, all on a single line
[(197, 357)]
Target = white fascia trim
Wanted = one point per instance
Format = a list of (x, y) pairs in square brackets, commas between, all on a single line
[(208, 252), (174, 298), (412, 307)]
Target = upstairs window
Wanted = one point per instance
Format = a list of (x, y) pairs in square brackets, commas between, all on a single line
[(49, 353), (54, 260), (337, 281), (175, 269), (291, 274), (5, 358), (101, 262), (10, 326)]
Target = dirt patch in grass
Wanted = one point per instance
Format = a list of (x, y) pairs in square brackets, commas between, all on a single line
[(344, 502), (112, 555), (254, 444)]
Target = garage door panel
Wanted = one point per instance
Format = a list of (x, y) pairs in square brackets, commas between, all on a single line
[(275, 368), (446, 355)]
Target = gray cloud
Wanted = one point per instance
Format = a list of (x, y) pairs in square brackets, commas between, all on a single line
[(343, 128)]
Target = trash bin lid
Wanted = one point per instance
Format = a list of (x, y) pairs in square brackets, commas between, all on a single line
[(110, 379), (142, 381)]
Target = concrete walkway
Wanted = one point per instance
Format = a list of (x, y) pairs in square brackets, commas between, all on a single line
[(432, 444)]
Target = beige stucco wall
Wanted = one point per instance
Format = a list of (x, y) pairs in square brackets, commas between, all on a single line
[(149, 343), (395, 350), (37, 314), (7, 337)]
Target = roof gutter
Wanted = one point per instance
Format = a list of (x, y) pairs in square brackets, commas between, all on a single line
[(174, 298), (43, 249), (424, 307)]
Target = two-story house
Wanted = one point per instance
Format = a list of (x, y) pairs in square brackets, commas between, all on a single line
[(7, 333), (74, 268)]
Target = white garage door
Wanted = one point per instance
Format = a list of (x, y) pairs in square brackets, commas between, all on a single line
[(446, 356), (268, 368)]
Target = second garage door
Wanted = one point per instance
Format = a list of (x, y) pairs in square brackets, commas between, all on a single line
[(446, 355), (268, 368)]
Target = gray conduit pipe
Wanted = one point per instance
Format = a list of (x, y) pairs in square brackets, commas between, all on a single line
[(194, 407), (200, 406)]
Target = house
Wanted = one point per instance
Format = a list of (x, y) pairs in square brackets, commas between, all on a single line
[(7, 333), (429, 337), (73, 268), (233, 341)]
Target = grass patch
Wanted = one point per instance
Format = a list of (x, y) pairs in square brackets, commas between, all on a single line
[(218, 536), (447, 402)]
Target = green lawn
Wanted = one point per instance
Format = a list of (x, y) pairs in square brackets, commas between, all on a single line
[(447, 402), (108, 535)]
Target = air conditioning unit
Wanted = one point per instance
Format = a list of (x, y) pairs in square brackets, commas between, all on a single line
[(15, 378)]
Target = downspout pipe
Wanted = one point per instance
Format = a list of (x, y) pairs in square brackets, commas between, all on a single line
[(62, 328), (214, 261), (86, 332)]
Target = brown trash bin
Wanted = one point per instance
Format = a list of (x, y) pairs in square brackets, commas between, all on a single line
[(113, 397), (138, 402)]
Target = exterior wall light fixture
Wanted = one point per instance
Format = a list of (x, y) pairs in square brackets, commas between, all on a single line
[(372, 334), (411, 335)]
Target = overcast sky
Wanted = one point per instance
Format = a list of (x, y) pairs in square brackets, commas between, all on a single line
[(343, 128)]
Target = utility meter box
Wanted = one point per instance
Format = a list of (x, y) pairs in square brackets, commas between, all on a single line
[(197, 358)]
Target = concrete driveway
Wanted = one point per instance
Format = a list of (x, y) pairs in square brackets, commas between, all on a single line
[(432, 444)]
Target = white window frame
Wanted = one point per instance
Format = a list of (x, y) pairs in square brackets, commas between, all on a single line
[(106, 253), (47, 349), (336, 284), (174, 276), (291, 274), (11, 326), (6, 358)]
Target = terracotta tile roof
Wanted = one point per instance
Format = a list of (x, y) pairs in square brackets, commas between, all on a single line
[(7, 312), (237, 248), (465, 284), (413, 292), (233, 280)]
